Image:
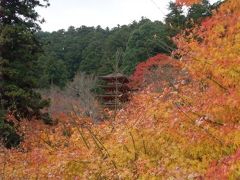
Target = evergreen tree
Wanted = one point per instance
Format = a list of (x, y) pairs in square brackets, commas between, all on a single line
[(197, 12), (148, 40), (19, 50), (53, 71), (175, 20)]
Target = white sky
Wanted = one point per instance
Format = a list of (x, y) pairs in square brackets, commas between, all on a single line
[(107, 13)]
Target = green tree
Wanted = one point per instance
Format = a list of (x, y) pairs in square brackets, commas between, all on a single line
[(19, 50), (92, 49), (175, 19), (197, 12), (148, 40), (53, 71)]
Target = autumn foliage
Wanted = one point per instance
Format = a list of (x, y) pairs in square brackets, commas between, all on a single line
[(211, 54), (186, 131), (156, 65), (188, 2)]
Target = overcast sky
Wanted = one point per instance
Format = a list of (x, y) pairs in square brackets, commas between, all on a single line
[(107, 13)]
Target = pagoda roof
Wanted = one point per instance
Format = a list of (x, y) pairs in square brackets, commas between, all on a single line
[(114, 76)]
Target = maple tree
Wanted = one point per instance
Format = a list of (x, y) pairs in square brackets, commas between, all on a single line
[(210, 53), (188, 2), (158, 64)]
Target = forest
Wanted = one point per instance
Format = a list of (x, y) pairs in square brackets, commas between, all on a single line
[(174, 86)]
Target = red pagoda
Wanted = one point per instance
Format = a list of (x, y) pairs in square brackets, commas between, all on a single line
[(116, 90)]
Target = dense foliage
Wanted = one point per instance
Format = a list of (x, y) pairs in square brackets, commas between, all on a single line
[(188, 130), (158, 68), (19, 51), (177, 20), (211, 54), (93, 49)]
